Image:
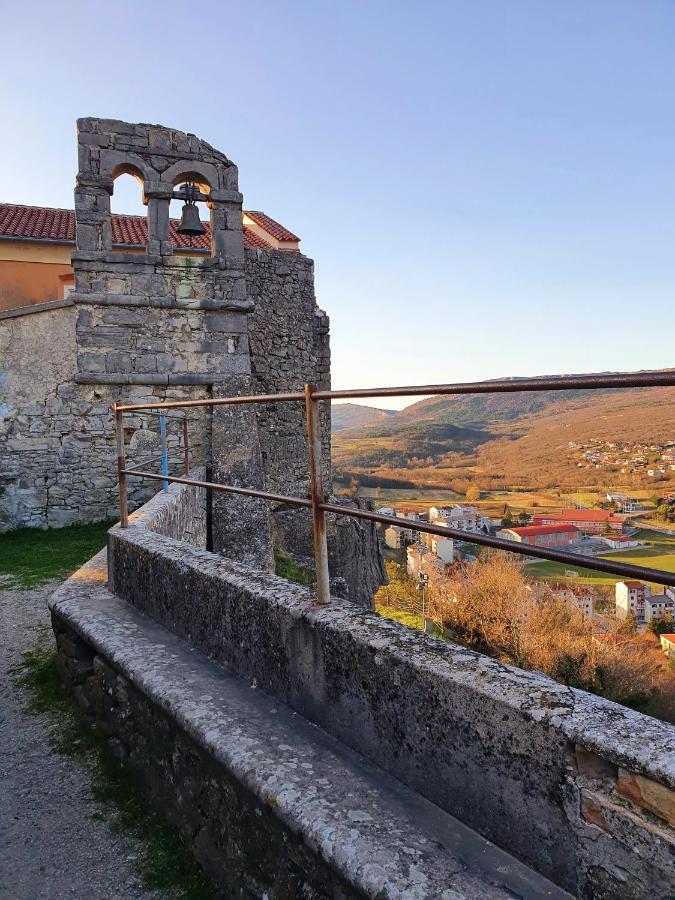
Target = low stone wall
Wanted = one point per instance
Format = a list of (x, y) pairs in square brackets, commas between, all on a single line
[(179, 512), (271, 806), (579, 788)]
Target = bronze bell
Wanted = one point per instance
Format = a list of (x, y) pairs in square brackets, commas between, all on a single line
[(190, 222)]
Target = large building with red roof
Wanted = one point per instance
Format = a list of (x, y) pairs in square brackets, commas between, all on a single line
[(542, 535), (588, 521)]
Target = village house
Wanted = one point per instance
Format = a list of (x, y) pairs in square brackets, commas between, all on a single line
[(36, 245), (463, 518), (631, 597), (668, 645), (542, 535), (443, 548), (658, 606), (396, 536)]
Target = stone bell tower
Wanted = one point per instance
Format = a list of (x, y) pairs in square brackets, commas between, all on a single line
[(161, 323)]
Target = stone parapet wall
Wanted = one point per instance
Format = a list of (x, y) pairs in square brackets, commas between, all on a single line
[(271, 806), (505, 746), (179, 512)]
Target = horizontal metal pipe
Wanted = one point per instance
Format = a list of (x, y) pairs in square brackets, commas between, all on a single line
[(599, 565), (577, 559), (225, 488), (219, 401), (508, 385), (513, 385), (152, 459)]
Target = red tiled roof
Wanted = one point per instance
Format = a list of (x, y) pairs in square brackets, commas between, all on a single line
[(271, 227), (579, 515), (44, 224), (530, 530)]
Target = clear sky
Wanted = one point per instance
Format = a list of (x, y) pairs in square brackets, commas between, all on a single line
[(487, 186)]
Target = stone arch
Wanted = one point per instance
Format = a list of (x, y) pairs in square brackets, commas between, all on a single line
[(115, 163), (203, 174)]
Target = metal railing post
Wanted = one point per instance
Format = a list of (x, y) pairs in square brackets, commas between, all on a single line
[(163, 448), (121, 465), (314, 457), (186, 449)]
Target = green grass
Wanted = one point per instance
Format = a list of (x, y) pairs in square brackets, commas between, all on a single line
[(655, 537), (654, 558), (164, 862), (286, 568), (411, 619), (31, 556)]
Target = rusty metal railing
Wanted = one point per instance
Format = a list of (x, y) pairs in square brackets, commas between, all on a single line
[(311, 397)]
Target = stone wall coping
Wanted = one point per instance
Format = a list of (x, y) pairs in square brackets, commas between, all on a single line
[(96, 299), (34, 308), (637, 742), (153, 379), (381, 837)]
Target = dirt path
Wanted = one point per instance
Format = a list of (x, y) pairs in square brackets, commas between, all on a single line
[(50, 846)]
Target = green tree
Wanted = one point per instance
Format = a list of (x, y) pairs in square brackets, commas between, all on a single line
[(661, 626), (507, 517)]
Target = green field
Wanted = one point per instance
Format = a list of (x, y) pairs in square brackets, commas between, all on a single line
[(661, 556)]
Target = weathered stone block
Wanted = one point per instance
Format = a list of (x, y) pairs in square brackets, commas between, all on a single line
[(648, 794)]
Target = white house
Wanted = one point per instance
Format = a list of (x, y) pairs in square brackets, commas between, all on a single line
[(443, 548), (630, 597), (416, 554)]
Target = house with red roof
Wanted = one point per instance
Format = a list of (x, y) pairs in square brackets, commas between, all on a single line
[(36, 243)]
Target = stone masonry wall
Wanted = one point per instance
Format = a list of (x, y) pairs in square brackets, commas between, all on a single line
[(237, 839), (581, 789), (56, 436)]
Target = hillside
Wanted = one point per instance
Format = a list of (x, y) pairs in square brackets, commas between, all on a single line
[(518, 439), (350, 415)]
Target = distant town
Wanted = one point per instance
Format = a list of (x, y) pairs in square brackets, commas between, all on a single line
[(626, 457), (430, 560)]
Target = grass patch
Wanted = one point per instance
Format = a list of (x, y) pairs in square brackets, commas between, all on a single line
[(411, 619), (286, 568), (31, 556), (163, 861)]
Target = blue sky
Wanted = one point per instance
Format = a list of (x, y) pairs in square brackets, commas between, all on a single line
[(487, 187)]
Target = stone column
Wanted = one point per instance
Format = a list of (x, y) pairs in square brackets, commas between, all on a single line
[(92, 213), (227, 228), (241, 525), (159, 239)]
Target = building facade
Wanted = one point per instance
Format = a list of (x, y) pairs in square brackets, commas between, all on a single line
[(631, 597), (588, 521), (542, 535), (124, 309)]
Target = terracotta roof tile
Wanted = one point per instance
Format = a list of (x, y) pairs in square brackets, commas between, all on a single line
[(271, 227), (44, 224)]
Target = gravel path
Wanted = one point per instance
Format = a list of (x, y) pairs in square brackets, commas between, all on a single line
[(50, 846)]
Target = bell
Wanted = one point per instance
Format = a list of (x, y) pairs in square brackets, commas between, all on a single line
[(190, 222)]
